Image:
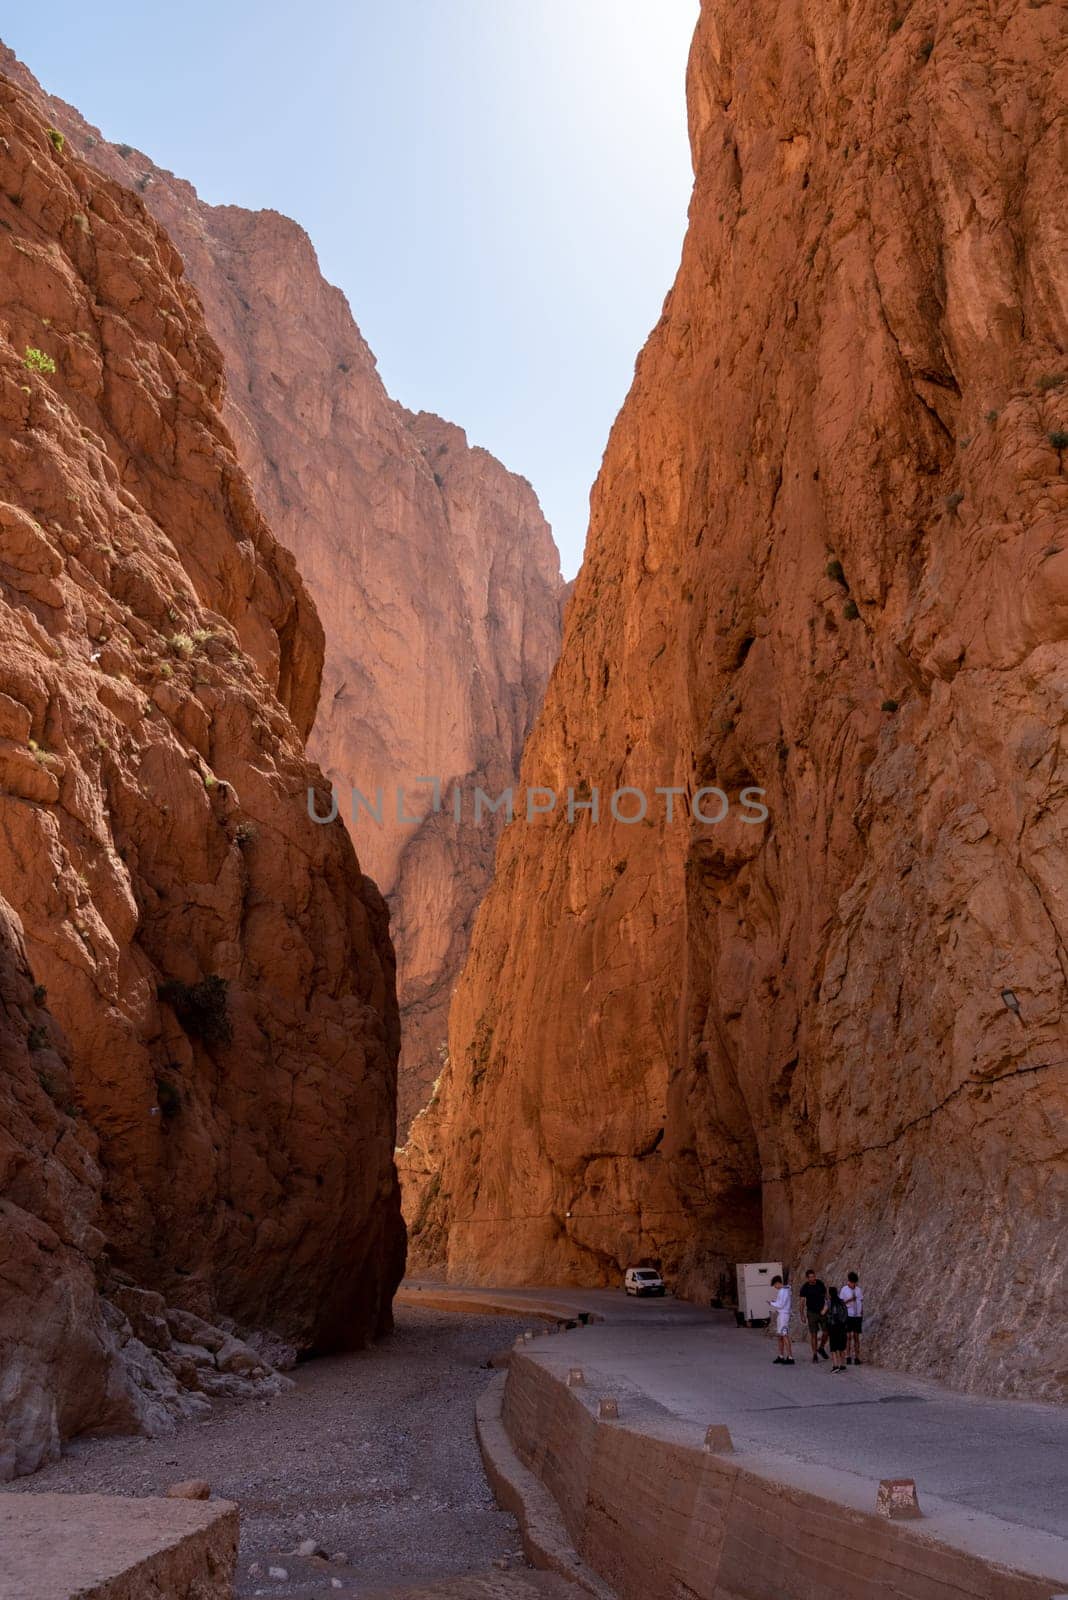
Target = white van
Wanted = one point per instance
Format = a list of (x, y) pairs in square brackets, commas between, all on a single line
[(643, 1280)]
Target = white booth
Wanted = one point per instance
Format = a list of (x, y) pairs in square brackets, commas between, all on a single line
[(754, 1288)]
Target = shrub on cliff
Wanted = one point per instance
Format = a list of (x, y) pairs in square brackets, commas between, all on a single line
[(37, 361), (200, 1007)]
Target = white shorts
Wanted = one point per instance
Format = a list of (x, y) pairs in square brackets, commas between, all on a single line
[(782, 1323)]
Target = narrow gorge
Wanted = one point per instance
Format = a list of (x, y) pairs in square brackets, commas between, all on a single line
[(439, 584), (774, 972)]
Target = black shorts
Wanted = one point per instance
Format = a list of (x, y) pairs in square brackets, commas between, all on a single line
[(838, 1337), (853, 1324)]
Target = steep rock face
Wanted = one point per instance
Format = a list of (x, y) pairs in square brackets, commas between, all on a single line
[(828, 558), (218, 963), (71, 1358), (431, 566), (58, 1372)]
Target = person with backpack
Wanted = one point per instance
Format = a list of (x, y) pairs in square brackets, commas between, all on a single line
[(781, 1302), (853, 1295), (837, 1315)]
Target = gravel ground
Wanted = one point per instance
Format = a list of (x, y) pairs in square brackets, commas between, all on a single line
[(526, 1585), (371, 1454)]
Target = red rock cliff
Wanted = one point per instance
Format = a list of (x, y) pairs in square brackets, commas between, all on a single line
[(431, 566), (219, 967), (828, 557)]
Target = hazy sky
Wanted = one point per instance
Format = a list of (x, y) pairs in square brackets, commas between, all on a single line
[(499, 186)]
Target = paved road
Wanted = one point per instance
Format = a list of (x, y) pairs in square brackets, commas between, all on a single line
[(611, 1305), (1007, 1458)]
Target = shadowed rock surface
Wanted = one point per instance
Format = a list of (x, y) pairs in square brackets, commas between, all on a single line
[(57, 1359), (827, 559), (432, 568), (218, 966)]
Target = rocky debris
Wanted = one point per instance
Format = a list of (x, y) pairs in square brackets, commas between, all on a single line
[(431, 565), (168, 1389), (827, 559), (371, 1457), (273, 1351), (192, 1331), (179, 1375), (145, 1313), (190, 1489), (310, 1547), (212, 1017)]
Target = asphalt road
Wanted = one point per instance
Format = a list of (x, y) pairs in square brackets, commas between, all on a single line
[(1008, 1458)]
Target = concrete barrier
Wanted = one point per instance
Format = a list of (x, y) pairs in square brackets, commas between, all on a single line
[(897, 1497), (656, 1515), (103, 1547), (718, 1437), (545, 1540)]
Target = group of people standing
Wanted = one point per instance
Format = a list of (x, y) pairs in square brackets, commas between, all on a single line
[(835, 1320)]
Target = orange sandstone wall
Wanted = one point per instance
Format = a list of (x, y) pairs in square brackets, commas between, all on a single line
[(219, 967), (828, 557), (431, 566)]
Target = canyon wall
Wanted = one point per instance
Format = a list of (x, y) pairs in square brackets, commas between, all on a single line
[(431, 566), (828, 559), (208, 991), (59, 1372)]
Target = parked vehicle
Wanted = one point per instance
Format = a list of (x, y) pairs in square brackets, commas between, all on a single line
[(643, 1280)]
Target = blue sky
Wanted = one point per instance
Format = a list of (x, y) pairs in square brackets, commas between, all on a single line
[(499, 186)]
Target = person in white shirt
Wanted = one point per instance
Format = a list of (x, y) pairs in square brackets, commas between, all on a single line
[(853, 1295), (780, 1304)]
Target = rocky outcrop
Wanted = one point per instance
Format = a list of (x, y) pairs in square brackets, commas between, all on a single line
[(58, 1372), (828, 558), (80, 1347), (431, 566), (217, 963)]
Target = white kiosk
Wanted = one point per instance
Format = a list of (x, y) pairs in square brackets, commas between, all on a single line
[(754, 1289)]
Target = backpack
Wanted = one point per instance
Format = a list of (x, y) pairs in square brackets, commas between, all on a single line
[(838, 1314)]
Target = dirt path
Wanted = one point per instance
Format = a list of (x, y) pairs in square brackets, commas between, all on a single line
[(372, 1455)]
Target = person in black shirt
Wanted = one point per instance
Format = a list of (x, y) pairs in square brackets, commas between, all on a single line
[(814, 1295)]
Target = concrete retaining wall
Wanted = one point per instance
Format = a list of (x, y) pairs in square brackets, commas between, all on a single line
[(659, 1518)]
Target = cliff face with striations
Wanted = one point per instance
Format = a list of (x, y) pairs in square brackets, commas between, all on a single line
[(829, 558), (217, 965), (431, 566)]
